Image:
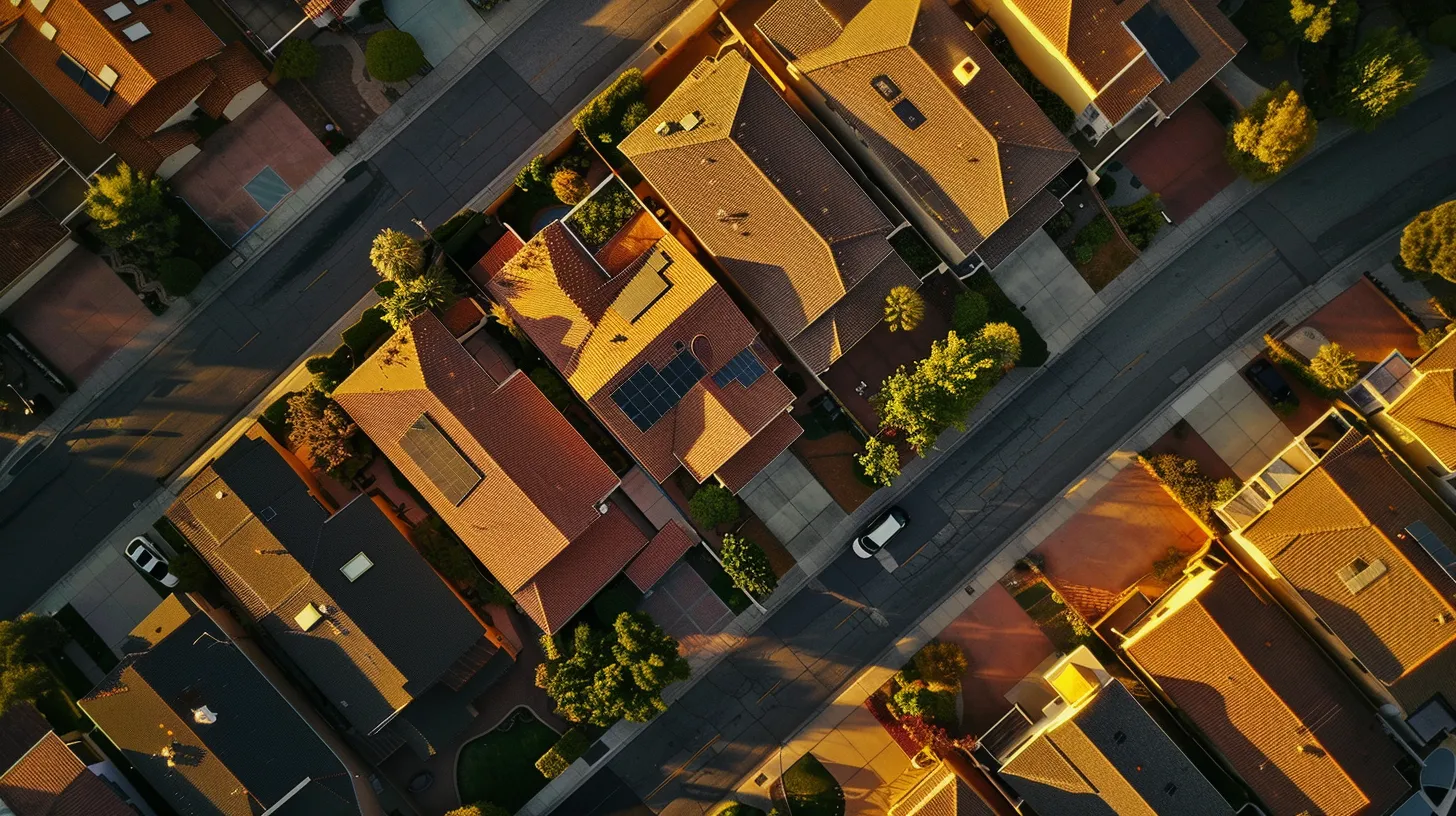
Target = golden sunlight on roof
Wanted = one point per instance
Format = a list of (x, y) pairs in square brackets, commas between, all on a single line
[(1074, 682)]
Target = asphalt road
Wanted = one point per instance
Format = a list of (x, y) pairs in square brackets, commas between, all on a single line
[(72, 496), (732, 720)]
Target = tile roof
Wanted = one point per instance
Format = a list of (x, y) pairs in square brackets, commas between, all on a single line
[(252, 757), (940, 793), (390, 634), (317, 8), (737, 472), (665, 548), (465, 315), (27, 233), (581, 319), (565, 585), (764, 195), (984, 148), (24, 155), (496, 258), (178, 42), (236, 70), (1111, 757), (51, 781), (1355, 505), (541, 482), (1286, 720), (1428, 408), (1011, 235)]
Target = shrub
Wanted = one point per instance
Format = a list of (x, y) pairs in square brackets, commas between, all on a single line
[(1380, 78), (1334, 367), (880, 462), (1270, 52), (395, 255), (913, 250), (1224, 490), (1443, 31), (607, 109), (371, 326), (480, 809), (179, 276), (1060, 223), (552, 387), (532, 173), (1271, 134), (1140, 220), (598, 218), (636, 114), (747, 564), (445, 553), (1091, 238), (972, 311), (1185, 480), (713, 505), (568, 185), (275, 417), (904, 308), (393, 56), (1286, 358), (999, 343), (941, 665), (1428, 244), (329, 370), (919, 700), (1052, 105), (567, 750), (298, 60), (192, 574), (385, 288), (1432, 338), (1107, 186), (372, 12)]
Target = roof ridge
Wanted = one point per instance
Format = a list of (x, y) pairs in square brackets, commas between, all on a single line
[(877, 42)]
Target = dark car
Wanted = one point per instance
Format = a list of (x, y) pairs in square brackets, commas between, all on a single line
[(878, 532), (1269, 381)]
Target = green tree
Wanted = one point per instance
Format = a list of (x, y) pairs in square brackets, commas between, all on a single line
[(972, 311), (1428, 245), (568, 185), (713, 505), (919, 700), (1272, 134), (941, 665), (998, 342), (192, 574), (393, 56), (608, 678), (1380, 78), (432, 290), (334, 440), (479, 809), (880, 461), (25, 683), (599, 217), (30, 637), (395, 255), (445, 553), (938, 394), (636, 114), (130, 209), (904, 308), (1315, 19), (747, 564), (179, 276), (532, 173), (298, 60), (569, 680), (1334, 367)]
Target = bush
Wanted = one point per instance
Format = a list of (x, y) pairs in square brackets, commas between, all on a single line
[(1052, 105), (1380, 78), (385, 288), (369, 329), (1060, 223), (480, 809), (179, 276), (1433, 337), (1286, 358), (532, 173), (329, 370), (192, 574), (371, 12), (1334, 367), (919, 700), (1443, 31), (604, 113), (972, 311), (747, 564), (1140, 220), (298, 60), (599, 217), (393, 56), (879, 464), (913, 250), (1183, 478), (567, 750), (713, 505), (552, 387), (445, 553), (568, 185), (941, 665), (275, 417), (636, 114)]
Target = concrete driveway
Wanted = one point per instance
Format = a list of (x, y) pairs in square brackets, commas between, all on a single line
[(1039, 279), (438, 25), (1234, 421)]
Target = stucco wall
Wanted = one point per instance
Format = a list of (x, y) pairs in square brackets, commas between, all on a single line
[(1045, 62), (244, 100)]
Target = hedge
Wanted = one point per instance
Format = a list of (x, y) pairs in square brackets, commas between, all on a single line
[(362, 336), (179, 276), (602, 117), (567, 750), (329, 370), (393, 56)]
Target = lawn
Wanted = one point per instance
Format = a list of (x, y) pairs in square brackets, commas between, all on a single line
[(811, 790), (1109, 261), (500, 767)]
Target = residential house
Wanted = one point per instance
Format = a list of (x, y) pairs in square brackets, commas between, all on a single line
[(132, 73), (1266, 699), (1338, 531), (360, 613), (41, 776), (1413, 404), (205, 728), (500, 465), (655, 347), (928, 109), (32, 236), (763, 195), (1119, 66), (1095, 750), (941, 793)]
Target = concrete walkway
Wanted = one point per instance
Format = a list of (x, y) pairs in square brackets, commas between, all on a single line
[(1043, 283), (792, 504), (1235, 421)]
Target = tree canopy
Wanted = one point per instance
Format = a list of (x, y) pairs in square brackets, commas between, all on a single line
[(395, 255), (130, 209), (24, 643), (616, 676), (1334, 367), (433, 290), (713, 505), (330, 435), (938, 394), (904, 308), (393, 56), (747, 564), (1428, 245), (1315, 19), (880, 461), (1272, 134), (1380, 78), (999, 342)]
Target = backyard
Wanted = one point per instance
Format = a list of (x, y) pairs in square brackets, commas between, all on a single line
[(500, 767)]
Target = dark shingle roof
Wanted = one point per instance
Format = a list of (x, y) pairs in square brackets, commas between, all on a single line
[(27, 233), (253, 756), (24, 155)]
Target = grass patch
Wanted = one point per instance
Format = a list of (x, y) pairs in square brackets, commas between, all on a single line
[(500, 767), (1033, 347), (86, 637), (811, 790), (712, 572), (1033, 595), (914, 251)]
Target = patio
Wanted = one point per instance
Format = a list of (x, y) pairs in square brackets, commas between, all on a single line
[(1366, 324), (1002, 645), (686, 608)]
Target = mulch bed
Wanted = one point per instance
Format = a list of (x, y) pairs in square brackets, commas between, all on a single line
[(831, 460), (1111, 258)]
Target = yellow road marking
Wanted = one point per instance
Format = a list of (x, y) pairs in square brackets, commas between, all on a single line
[(129, 451), (315, 280), (683, 766), (254, 337)]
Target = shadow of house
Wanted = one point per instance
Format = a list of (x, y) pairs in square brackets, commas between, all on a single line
[(207, 731)]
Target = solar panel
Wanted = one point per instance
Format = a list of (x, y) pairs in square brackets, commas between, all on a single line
[(1163, 39), (744, 367), (443, 463), (79, 75), (647, 395), (1434, 546), (908, 113)]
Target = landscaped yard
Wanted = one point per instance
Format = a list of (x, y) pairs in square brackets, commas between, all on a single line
[(811, 790), (500, 767)]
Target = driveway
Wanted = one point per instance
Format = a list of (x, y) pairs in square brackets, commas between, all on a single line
[(1043, 283), (791, 502), (684, 606), (438, 25), (1234, 420), (1182, 160), (1002, 645)]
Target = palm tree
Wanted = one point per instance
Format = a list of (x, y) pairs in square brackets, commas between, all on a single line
[(395, 255), (904, 308)]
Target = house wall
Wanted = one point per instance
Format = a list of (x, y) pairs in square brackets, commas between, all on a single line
[(244, 100), (24, 195), (1045, 60), (176, 161), (33, 276)]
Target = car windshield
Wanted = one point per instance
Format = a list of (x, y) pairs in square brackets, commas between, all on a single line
[(157, 569)]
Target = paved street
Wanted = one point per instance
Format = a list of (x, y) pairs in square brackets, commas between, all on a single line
[(90, 479), (732, 720)]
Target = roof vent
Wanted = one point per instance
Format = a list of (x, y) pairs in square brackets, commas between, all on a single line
[(604, 508), (691, 121), (356, 566), (1443, 617), (204, 716), (666, 128), (221, 494), (966, 71)]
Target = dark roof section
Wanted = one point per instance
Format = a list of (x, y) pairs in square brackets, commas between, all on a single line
[(252, 757), (27, 233), (1164, 40), (24, 155), (375, 642)]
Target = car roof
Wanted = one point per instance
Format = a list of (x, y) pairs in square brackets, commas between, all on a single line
[(888, 526)]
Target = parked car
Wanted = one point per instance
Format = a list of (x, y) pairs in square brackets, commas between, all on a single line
[(1269, 381), (150, 560), (879, 532)]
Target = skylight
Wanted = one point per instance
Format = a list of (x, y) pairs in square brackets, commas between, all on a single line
[(116, 11), (966, 71), (40, 5), (47, 30), (356, 566), (307, 617), (136, 31)]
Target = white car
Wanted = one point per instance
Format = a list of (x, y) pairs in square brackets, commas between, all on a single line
[(150, 560), (879, 532)]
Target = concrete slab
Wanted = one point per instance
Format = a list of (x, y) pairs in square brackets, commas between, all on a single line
[(1204, 415), (438, 25), (1254, 416), (1228, 440)]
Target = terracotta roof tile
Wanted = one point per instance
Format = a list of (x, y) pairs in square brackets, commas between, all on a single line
[(1428, 408), (755, 456), (465, 315), (1244, 673), (940, 793), (496, 257), (169, 96), (237, 70), (51, 781), (24, 156), (27, 233), (1355, 505), (665, 548), (317, 8), (580, 571), (1124, 94), (959, 161), (582, 320)]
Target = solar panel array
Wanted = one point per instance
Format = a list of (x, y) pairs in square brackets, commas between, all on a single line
[(443, 463), (1433, 545), (1165, 42), (79, 75), (744, 367), (648, 395)]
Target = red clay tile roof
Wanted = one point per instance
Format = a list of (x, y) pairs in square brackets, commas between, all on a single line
[(237, 70), (661, 553), (147, 154), (317, 8), (580, 571), (27, 233), (765, 447), (984, 150), (496, 257), (575, 315), (465, 315), (1248, 677), (1356, 505), (24, 155), (541, 481), (1428, 408), (39, 776), (178, 41), (764, 195)]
